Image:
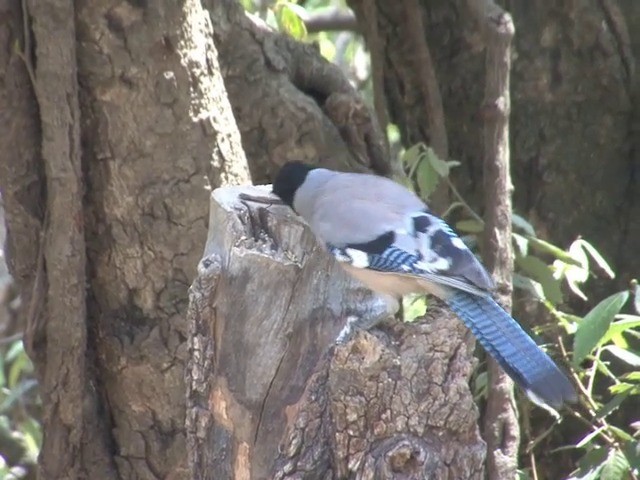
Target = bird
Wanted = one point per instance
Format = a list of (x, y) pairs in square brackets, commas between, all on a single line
[(387, 238)]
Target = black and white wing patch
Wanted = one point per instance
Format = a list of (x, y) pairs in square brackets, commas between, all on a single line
[(426, 247)]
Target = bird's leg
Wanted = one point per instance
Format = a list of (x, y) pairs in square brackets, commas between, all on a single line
[(375, 312)]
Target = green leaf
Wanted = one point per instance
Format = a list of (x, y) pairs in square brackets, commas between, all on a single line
[(3, 378), (590, 465), (17, 393), (542, 274), (616, 467), (427, 179), (469, 226), (587, 439), (289, 21), (602, 366), (595, 325), (602, 263), (632, 452), (623, 388), (520, 223), (620, 327), (546, 247), (413, 307), (440, 166), (15, 350), (328, 50), (393, 132), (631, 376), (522, 243), (248, 5), (621, 434), (531, 286), (481, 383), (411, 156), (635, 287), (626, 356), (33, 436), (612, 405), (453, 164), (451, 208), (299, 10), (574, 274)]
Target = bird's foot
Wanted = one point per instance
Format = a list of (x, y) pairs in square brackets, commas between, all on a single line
[(367, 318)]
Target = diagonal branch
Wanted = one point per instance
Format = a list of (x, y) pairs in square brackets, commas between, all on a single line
[(430, 90), (331, 19)]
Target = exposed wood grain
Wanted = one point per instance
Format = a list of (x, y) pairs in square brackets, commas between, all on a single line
[(269, 397)]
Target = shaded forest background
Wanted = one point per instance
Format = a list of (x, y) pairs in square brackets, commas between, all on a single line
[(117, 118)]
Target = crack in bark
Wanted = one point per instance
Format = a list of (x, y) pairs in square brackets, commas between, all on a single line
[(275, 374)]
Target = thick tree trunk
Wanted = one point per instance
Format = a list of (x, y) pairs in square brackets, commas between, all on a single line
[(267, 304), (155, 123)]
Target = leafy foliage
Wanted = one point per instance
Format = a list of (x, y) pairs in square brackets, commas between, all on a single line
[(605, 351), (20, 430)]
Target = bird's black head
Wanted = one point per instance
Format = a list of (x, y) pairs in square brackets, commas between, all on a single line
[(289, 179)]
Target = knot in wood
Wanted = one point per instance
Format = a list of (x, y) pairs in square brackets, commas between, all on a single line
[(406, 458)]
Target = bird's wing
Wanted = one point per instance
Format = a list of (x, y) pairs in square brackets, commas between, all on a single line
[(423, 246)]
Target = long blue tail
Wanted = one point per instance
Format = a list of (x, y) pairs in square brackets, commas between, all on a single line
[(518, 355)]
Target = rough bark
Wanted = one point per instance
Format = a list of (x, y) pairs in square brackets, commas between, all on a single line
[(158, 124), (265, 400), (63, 377), (575, 168), (22, 182), (501, 428), (155, 123), (289, 102), (22, 185)]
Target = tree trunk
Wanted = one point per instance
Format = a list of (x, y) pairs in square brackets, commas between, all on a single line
[(154, 122), (265, 401)]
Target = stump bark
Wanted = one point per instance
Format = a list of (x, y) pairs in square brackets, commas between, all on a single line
[(269, 396)]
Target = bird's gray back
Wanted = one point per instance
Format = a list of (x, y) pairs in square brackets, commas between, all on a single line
[(344, 208)]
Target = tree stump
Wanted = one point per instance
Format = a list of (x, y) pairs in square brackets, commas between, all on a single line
[(269, 396)]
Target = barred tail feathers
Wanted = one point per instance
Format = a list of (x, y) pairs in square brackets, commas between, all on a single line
[(516, 352)]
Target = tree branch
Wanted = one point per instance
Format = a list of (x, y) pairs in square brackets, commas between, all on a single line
[(331, 20), (377, 64), (430, 90), (501, 430)]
